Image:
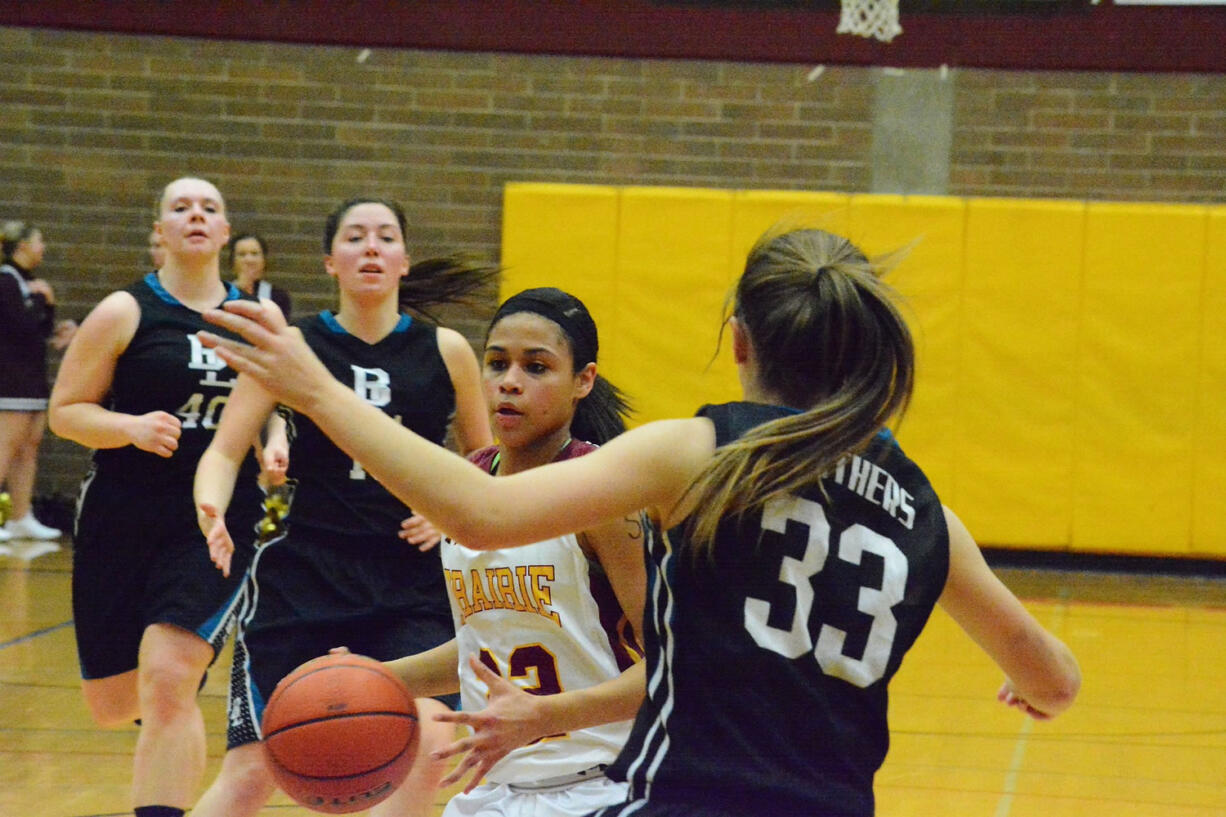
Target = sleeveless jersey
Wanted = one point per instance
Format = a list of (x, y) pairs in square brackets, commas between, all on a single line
[(26, 320), (768, 664), (166, 368), (545, 617), (405, 377)]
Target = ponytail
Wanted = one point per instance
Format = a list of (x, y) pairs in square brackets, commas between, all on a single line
[(602, 414), (445, 280), (828, 336)]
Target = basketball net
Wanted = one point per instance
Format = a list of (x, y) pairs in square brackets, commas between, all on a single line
[(870, 18)]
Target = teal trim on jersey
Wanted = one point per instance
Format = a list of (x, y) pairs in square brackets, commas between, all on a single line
[(334, 325), (155, 284)]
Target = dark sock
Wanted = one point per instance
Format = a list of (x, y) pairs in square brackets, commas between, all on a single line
[(159, 811)]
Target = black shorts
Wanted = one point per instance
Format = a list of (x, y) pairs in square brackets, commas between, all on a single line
[(384, 600), (139, 559)]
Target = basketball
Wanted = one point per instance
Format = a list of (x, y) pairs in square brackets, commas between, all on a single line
[(340, 733)]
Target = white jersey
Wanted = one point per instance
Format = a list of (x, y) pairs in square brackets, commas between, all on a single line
[(545, 617)]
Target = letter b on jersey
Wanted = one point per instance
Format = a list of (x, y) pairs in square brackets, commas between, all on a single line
[(372, 385)]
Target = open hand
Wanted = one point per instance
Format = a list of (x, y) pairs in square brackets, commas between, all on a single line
[(275, 354), (417, 530), (509, 721), (221, 546)]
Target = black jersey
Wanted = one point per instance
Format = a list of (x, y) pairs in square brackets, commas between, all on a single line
[(26, 321), (166, 368), (768, 664), (405, 377)]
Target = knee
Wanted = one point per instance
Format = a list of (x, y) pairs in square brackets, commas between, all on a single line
[(167, 687)]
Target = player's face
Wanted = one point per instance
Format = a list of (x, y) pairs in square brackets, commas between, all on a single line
[(368, 252), (193, 219), (248, 259), (530, 383)]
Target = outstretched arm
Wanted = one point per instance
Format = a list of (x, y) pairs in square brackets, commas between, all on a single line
[(1042, 676), (649, 467)]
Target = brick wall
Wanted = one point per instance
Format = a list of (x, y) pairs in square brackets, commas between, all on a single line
[(94, 125)]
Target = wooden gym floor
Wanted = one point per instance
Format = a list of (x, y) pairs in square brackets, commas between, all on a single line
[(1147, 737)]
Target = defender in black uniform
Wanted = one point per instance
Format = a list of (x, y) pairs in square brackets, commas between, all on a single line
[(150, 612), (805, 550), (339, 575)]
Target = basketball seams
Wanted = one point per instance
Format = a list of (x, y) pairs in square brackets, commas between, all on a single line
[(344, 740)]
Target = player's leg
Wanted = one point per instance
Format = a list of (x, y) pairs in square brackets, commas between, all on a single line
[(241, 788), (244, 784), (23, 467), (13, 430), (106, 579), (112, 701), (170, 751), (416, 795)]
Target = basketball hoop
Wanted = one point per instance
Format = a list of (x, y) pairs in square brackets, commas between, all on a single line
[(870, 18)]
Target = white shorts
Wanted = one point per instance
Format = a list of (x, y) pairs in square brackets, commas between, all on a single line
[(505, 800)]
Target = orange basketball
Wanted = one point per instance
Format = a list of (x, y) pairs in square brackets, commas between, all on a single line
[(340, 733)]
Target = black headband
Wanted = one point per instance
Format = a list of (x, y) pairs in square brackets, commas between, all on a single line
[(562, 308)]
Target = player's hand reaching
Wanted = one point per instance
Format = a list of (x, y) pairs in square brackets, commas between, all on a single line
[(156, 432), (213, 526), (511, 720), (275, 354), (1008, 696), (417, 530)]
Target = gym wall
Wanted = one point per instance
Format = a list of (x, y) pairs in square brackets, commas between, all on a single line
[(95, 123), (1072, 367)]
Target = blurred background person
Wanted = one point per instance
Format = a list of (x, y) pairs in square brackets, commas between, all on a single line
[(27, 322), (248, 256)]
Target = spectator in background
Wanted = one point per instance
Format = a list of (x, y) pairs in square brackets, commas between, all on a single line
[(248, 256), (27, 321)]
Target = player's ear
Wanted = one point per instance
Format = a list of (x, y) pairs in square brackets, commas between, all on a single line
[(740, 341), (585, 379)]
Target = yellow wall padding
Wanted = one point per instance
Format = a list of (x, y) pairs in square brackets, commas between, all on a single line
[(1209, 430), (1018, 370), (1137, 362), (1072, 355), (930, 278), (672, 272), (563, 235)]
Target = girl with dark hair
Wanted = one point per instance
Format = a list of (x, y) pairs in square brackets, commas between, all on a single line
[(247, 255), (27, 322), (545, 643), (334, 572), (804, 554)]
